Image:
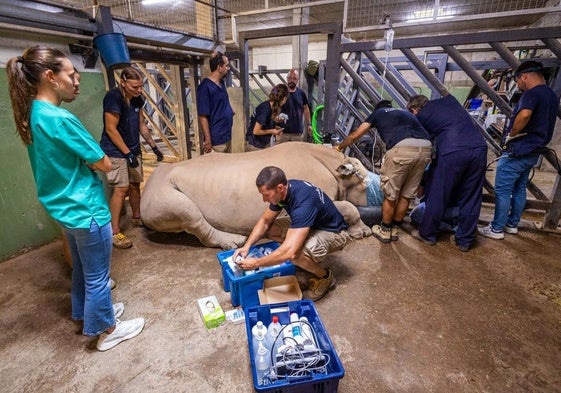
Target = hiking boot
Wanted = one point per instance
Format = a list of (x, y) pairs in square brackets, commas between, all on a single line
[(511, 230), (395, 233), (123, 331), (303, 277), (137, 222), (318, 287), (489, 232), (383, 236), (118, 309), (121, 241), (417, 235)]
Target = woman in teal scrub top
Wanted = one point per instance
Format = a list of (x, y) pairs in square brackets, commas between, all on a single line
[(64, 158)]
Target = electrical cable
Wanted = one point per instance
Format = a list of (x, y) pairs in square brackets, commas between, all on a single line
[(317, 137), (295, 360)]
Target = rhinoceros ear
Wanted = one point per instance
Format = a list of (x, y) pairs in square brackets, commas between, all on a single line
[(346, 169)]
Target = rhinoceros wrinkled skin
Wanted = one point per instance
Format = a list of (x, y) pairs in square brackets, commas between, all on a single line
[(214, 196)]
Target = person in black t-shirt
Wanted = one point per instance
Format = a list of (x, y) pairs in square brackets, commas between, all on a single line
[(123, 123), (314, 228), (408, 151)]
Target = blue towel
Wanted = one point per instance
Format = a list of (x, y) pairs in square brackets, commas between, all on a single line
[(374, 194)]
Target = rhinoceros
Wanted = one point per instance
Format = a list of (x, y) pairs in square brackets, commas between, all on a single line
[(214, 196)]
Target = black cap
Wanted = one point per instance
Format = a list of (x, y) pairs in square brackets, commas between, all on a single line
[(383, 104), (529, 66)]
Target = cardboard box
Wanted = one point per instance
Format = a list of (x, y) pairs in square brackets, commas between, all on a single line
[(211, 312), (281, 289)]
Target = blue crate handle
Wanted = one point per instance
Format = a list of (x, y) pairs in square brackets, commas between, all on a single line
[(300, 379)]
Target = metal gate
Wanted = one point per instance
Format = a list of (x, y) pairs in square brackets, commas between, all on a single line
[(370, 72), (167, 110)]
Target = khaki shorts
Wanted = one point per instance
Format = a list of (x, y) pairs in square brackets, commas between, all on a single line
[(121, 174), (402, 171), (318, 243), (250, 147), (289, 138), (223, 148)]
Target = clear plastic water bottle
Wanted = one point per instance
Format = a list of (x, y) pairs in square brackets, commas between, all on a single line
[(257, 252), (307, 333), (258, 334), (273, 331), (262, 363)]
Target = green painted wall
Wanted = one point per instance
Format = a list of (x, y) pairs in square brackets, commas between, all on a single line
[(24, 224)]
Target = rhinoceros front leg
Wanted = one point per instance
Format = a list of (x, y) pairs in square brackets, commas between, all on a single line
[(357, 229), (174, 212)]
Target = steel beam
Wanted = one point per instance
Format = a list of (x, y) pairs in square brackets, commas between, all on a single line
[(505, 53), (386, 87), (463, 39), (365, 87), (55, 20), (332, 76), (318, 28), (425, 71), (388, 75)]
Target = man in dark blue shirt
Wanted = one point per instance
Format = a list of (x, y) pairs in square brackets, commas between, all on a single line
[(216, 116), (457, 171), (408, 151), (314, 228), (297, 110), (529, 131)]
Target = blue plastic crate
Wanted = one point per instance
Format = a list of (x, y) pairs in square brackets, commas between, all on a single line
[(243, 290), (324, 382)]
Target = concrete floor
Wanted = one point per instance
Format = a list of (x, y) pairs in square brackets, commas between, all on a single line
[(404, 317)]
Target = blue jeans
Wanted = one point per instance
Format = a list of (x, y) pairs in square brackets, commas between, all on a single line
[(510, 189), (449, 221), (91, 291)]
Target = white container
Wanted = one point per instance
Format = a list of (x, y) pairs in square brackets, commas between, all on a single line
[(307, 332), (273, 331), (258, 334), (262, 362), (296, 328)]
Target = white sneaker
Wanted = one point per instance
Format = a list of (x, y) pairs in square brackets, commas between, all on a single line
[(118, 309), (490, 233), (511, 230), (112, 283), (123, 331)]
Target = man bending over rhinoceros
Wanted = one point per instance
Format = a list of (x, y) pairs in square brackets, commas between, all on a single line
[(314, 228)]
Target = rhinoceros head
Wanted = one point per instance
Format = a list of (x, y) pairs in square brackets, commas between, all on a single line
[(352, 167)]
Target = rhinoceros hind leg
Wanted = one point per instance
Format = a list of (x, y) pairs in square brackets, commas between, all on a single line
[(357, 228), (180, 213)]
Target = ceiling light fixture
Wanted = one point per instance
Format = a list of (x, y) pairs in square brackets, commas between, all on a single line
[(429, 14), (153, 2)]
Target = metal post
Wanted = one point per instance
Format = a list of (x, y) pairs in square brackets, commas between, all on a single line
[(332, 77)]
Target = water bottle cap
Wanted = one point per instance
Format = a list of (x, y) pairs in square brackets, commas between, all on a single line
[(275, 319)]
